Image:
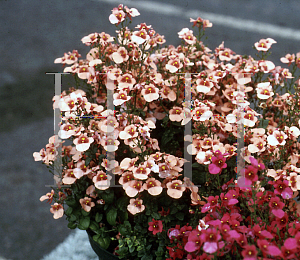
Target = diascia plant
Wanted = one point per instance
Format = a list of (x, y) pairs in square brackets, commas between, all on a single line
[(237, 203)]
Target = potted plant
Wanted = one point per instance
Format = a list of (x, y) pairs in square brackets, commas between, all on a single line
[(124, 178)]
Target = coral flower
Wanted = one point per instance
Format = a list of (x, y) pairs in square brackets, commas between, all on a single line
[(176, 114), (102, 180), (48, 197), (174, 65), (155, 226), (57, 210), (175, 189), (135, 206), (153, 186), (86, 204)]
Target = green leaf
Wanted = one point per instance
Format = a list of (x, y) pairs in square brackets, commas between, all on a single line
[(155, 215), (180, 215), (263, 123), (122, 203), (88, 160), (71, 203), (94, 226), (84, 213), (111, 216), (98, 217), (72, 225), (123, 216), (84, 223), (68, 212), (104, 242), (147, 257), (197, 165), (96, 237), (108, 197), (72, 218), (173, 210)]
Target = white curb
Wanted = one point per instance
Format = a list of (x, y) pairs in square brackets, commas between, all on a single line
[(75, 247)]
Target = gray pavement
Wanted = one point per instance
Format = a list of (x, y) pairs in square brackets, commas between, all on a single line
[(34, 33)]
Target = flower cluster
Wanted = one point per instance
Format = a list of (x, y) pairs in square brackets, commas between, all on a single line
[(124, 176)]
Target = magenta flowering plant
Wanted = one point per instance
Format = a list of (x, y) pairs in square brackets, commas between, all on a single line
[(235, 203)]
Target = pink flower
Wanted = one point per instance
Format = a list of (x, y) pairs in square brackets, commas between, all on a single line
[(155, 226), (83, 142), (264, 90), (132, 12), (140, 37), (120, 55), (288, 59), (176, 114), (264, 44), (120, 98), (150, 93), (187, 35), (196, 22), (277, 138), (174, 65), (133, 187), (117, 16)]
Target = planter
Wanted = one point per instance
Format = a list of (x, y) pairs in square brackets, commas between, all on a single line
[(100, 252)]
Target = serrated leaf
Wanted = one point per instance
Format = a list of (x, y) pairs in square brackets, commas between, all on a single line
[(111, 216)]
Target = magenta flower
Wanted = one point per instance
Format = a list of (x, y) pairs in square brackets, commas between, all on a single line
[(155, 226), (218, 163), (211, 237), (194, 242)]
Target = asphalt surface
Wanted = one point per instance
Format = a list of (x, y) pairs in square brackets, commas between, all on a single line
[(34, 33)]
